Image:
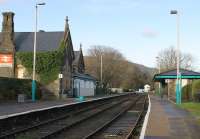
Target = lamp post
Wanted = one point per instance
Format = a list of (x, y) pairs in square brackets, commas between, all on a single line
[(178, 88), (158, 60), (34, 51)]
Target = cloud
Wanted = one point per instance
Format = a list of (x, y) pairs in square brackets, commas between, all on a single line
[(149, 33)]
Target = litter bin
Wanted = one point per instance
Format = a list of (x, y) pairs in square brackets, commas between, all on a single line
[(21, 98)]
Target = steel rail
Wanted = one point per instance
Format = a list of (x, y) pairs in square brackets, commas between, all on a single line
[(130, 134), (53, 134), (91, 135)]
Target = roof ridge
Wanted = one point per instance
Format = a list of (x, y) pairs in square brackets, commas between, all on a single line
[(180, 70)]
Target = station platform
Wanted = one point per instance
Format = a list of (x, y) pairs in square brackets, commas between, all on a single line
[(9, 109), (167, 121)]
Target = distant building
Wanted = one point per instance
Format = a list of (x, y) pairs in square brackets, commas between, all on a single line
[(117, 90), (147, 88), (12, 42)]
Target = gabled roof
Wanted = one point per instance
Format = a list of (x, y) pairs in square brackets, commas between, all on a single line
[(46, 41), (77, 56), (172, 74)]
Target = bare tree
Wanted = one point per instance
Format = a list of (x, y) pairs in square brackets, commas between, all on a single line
[(168, 59), (134, 78), (117, 71), (114, 64)]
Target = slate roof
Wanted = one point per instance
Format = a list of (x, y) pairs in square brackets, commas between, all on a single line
[(84, 76), (182, 71), (46, 41)]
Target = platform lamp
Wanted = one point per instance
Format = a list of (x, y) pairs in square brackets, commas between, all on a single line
[(34, 51), (178, 87)]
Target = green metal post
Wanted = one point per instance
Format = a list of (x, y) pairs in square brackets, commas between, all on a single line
[(180, 89), (177, 92), (33, 90)]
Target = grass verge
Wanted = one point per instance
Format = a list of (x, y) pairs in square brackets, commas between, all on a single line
[(193, 108)]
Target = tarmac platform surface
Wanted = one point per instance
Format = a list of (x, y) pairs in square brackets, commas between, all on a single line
[(167, 121), (13, 108)]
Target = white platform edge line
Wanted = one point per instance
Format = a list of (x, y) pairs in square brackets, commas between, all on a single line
[(144, 126), (35, 110), (57, 106)]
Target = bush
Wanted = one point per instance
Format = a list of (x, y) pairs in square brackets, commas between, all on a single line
[(102, 90), (196, 87), (11, 87), (197, 97), (187, 92), (125, 90)]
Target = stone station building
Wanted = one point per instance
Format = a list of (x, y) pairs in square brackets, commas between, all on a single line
[(12, 42)]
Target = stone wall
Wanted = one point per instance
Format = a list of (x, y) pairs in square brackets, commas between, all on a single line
[(51, 91), (6, 72)]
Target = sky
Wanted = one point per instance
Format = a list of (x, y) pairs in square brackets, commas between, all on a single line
[(139, 29)]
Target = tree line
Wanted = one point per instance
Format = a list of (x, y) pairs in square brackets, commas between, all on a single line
[(117, 72)]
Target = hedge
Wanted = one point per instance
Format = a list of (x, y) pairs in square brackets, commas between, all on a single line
[(187, 92), (196, 87), (11, 87), (191, 91)]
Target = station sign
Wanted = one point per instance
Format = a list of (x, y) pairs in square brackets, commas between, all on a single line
[(60, 76), (6, 60)]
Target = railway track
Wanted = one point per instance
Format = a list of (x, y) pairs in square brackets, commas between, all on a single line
[(52, 129), (52, 126), (122, 126), (92, 127)]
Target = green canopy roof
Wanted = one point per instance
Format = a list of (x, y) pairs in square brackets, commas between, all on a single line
[(172, 74)]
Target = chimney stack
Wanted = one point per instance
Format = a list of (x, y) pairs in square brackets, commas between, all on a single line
[(7, 48), (7, 42)]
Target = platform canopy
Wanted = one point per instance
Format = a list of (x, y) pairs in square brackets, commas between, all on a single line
[(172, 74)]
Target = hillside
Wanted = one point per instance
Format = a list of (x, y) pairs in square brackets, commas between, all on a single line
[(145, 69)]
